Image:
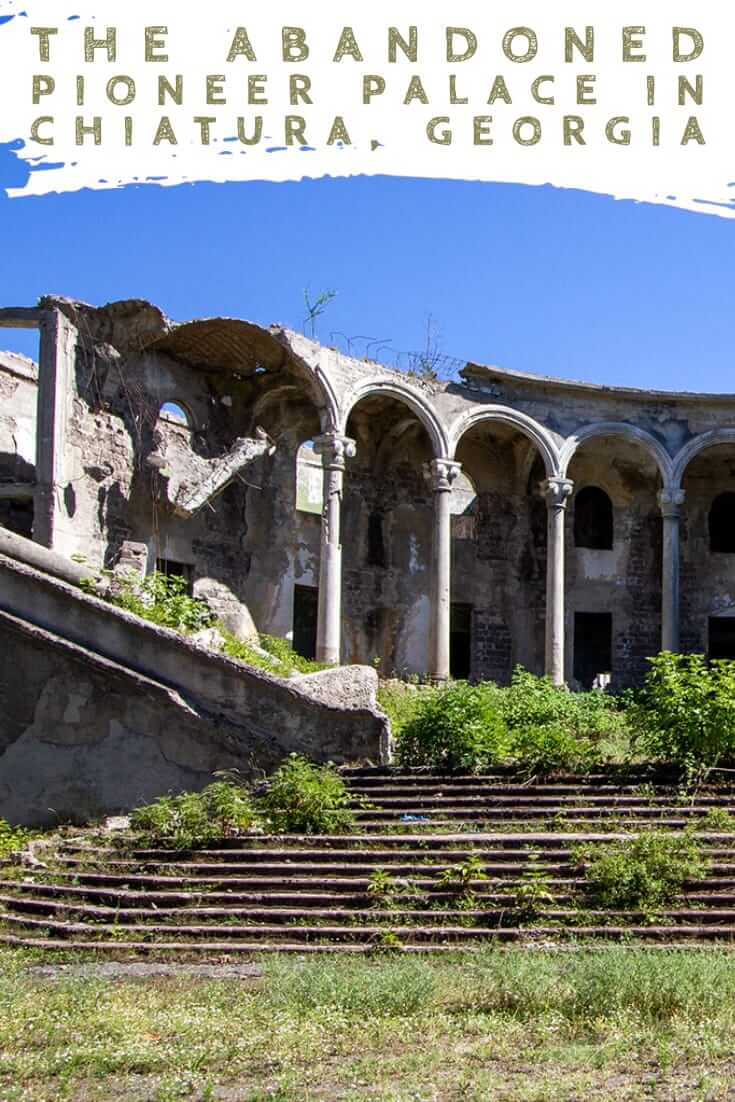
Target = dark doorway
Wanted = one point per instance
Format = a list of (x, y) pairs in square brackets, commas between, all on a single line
[(17, 516), (722, 524), (376, 541), (721, 637), (460, 641), (592, 646), (593, 519), (173, 569), (305, 610)]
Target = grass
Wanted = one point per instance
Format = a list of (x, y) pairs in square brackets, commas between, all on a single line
[(622, 1024)]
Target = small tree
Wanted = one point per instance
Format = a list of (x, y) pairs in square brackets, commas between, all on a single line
[(316, 308)]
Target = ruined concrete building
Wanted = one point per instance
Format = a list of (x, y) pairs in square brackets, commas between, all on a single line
[(372, 517)]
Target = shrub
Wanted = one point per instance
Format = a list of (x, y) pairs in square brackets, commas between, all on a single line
[(12, 839), (193, 819), (531, 701), (640, 873), (685, 713), (162, 599), (455, 728), (303, 798), (551, 748)]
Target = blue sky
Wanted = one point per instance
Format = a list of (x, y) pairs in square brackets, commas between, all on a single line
[(534, 279)]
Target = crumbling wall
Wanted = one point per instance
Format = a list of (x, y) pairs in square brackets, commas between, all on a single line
[(18, 396)]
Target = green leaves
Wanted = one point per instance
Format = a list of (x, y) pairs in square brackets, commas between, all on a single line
[(685, 713), (195, 819), (303, 798), (532, 723), (640, 873), (162, 599), (457, 728)]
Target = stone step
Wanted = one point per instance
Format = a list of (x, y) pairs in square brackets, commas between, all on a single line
[(404, 917), (501, 839), (295, 884), (176, 900), (370, 936), (509, 867), (528, 800), (503, 848), (471, 784), (512, 810)]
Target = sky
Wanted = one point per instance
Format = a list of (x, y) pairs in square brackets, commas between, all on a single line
[(544, 280)]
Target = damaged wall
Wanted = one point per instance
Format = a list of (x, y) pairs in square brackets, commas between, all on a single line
[(123, 470)]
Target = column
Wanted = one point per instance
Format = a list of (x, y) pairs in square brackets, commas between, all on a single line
[(557, 492), (335, 450), (441, 474), (51, 523), (670, 502)]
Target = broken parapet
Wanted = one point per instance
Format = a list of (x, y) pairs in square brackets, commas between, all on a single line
[(50, 562), (188, 499)]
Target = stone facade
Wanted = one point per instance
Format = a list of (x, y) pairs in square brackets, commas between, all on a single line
[(453, 535)]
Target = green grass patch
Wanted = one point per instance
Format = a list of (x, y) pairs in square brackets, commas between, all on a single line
[(511, 1026)]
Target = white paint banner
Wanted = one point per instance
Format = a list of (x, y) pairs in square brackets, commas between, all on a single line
[(626, 99)]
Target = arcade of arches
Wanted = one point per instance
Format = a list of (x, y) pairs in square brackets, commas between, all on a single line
[(433, 528)]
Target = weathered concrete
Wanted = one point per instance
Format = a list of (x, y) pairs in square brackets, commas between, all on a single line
[(99, 710), (49, 562)]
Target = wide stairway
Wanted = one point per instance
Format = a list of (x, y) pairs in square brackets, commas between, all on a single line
[(436, 863)]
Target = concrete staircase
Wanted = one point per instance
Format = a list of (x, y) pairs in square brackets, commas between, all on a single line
[(311, 894)]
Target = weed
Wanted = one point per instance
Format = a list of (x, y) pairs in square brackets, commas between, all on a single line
[(12, 839), (194, 819), (303, 798), (162, 599), (455, 728), (532, 893), (685, 713), (459, 878), (640, 873)]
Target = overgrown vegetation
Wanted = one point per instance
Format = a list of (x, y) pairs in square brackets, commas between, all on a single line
[(640, 873), (300, 797), (304, 798), (280, 657), (455, 728), (685, 713), (195, 819), (531, 724), (12, 839), (163, 599)]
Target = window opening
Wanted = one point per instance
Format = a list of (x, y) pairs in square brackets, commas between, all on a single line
[(593, 519)]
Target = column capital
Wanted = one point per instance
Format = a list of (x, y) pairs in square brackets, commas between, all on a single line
[(441, 474), (335, 450), (670, 502), (557, 491)]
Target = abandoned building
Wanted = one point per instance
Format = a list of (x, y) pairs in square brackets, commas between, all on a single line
[(430, 528)]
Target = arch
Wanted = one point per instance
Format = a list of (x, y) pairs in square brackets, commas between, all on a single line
[(694, 447), (174, 412), (593, 519), (401, 392), (618, 428), (521, 421)]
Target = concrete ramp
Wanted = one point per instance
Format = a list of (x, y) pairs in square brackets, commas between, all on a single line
[(100, 710)]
